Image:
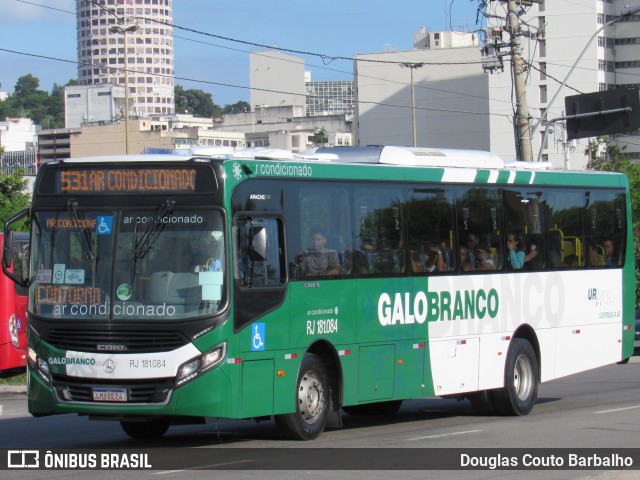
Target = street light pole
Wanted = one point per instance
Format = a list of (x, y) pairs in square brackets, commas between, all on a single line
[(412, 67), (123, 31)]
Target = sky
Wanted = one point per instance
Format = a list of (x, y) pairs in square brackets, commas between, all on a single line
[(38, 37)]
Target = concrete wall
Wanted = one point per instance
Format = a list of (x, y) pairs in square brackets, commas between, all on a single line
[(276, 79), (452, 101)]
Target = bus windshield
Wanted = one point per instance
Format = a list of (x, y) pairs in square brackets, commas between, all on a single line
[(142, 265)]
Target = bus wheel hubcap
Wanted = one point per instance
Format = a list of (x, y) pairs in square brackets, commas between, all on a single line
[(523, 377), (310, 397)]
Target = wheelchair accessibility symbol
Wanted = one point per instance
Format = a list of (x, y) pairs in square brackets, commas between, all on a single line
[(257, 337), (105, 225)]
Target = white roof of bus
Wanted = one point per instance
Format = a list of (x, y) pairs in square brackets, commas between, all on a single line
[(126, 158), (417, 157), (387, 155)]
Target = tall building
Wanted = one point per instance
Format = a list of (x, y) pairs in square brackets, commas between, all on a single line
[(426, 39), (611, 60), (439, 96), (456, 105), (106, 28), (330, 97), (276, 80)]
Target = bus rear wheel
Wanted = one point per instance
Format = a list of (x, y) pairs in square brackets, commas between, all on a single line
[(312, 402), (520, 391), (155, 428)]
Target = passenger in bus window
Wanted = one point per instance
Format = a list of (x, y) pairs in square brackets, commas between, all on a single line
[(555, 249), (429, 258), (596, 258), (516, 253), (610, 257), (483, 258), (465, 262), (533, 259), (320, 260), (447, 256), (472, 243), (364, 256)]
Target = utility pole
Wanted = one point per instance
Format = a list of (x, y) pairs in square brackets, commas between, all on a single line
[(492, 60), (523, 143)]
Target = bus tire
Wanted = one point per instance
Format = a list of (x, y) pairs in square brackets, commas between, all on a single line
[(155, 428), (520, 391), (388, 408), (312, 402)]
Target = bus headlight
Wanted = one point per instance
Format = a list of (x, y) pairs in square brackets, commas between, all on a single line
[(13, 329), (200, 364), (40, 365)]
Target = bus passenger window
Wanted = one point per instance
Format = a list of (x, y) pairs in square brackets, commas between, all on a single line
[(606, 222), (379, 231), (480, 226)]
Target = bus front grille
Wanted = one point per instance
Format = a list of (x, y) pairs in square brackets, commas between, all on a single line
[(74, 390), (116, 341)]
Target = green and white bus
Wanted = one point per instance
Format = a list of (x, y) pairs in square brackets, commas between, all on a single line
[(169, 289)]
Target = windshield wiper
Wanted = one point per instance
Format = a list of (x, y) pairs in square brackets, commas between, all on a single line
[(141, 247), (84, 236)]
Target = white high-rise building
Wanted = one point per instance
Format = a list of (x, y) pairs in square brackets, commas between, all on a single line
[(611, 60), (106, 28), (456, 105)]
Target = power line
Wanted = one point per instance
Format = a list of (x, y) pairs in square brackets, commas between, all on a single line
[(242, 87), (417, 85)]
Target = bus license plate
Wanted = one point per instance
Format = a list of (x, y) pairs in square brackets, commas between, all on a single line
[(109, 395)]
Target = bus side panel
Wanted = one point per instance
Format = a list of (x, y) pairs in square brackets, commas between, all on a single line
[(590, 328), (257, 388), (455, 365), (11, 304)]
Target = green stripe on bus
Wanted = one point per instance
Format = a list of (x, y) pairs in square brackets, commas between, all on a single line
[(523, 177), (482, 176)]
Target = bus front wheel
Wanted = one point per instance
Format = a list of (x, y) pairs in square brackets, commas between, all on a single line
[(312, 402), (155, 428), (520, 391)]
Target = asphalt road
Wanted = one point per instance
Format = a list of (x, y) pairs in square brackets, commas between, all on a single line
[(596, 409)]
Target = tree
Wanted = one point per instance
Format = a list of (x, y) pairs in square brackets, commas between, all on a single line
[(13, 197), (43, 108), (606, 156), (26, 85), (238, 107), (196, 102), (320, 137)]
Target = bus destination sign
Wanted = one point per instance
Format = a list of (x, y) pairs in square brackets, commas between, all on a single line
[(149, 180)]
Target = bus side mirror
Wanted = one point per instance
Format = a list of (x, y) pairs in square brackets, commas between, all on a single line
[(7, 249)]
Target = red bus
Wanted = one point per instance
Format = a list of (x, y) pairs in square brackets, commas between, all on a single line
[(13, 311)]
